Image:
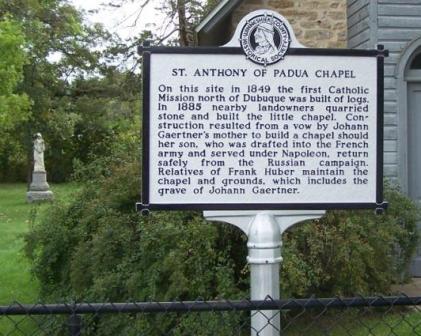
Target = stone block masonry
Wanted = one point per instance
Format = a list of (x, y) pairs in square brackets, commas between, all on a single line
[(317, 24)]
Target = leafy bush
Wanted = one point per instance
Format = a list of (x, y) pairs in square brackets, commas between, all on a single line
[(97, 248), (351, 252)]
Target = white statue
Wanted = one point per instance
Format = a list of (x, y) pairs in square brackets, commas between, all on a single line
[(39, 148)]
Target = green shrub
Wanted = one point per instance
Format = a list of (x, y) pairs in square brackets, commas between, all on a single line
[(97, 248), (351, 252)]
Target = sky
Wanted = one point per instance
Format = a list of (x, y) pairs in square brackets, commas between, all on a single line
[(121, 20)]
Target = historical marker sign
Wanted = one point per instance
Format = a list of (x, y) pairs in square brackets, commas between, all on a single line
[(280, 128)]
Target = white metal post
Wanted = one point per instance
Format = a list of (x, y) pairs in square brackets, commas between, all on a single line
[(264, 257), (264, 231)]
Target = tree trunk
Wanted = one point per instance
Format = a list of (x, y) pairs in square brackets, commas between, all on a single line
[(183, 24)]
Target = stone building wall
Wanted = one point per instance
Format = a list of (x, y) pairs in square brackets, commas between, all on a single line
[(318, 23)]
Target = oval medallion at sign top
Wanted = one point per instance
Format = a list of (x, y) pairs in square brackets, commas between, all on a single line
[(265, 37)]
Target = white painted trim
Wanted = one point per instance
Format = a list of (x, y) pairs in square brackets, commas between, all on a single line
[(402, 112), (211, 15), (373, 24), (413, 74), (413, 79)]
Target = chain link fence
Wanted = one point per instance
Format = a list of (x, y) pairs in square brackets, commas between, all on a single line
[(334, 316)]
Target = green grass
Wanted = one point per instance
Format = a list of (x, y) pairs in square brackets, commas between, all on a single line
[(16, 281)]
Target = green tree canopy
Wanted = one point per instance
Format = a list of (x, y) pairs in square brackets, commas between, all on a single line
[(81, 97), (72, 85), (14, 107)]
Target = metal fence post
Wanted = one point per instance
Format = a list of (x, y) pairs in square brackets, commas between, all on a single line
[(75, 325)]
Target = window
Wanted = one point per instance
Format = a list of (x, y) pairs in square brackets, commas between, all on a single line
[(416, 63)]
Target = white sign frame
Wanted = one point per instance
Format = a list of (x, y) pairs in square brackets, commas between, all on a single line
[(148, 185), (264, 41)]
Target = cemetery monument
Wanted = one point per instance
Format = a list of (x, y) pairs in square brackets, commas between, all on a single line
[(39, 190)]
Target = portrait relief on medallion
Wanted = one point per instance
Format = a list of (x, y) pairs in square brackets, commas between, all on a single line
[(265, 39)]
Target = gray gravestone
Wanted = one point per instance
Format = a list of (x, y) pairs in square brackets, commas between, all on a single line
[(39, 190)]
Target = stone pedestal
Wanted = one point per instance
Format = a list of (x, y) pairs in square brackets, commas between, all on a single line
[(39, 190)]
